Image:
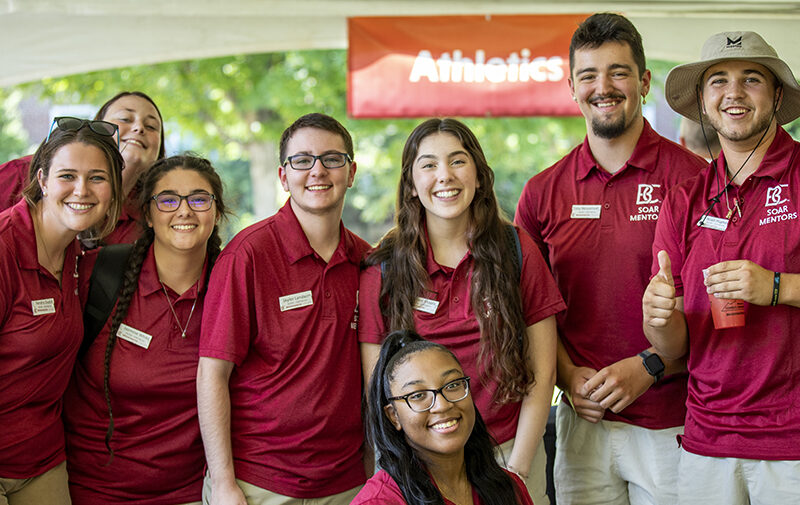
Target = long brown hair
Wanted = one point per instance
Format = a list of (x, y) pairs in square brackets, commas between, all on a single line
[(495, 292)]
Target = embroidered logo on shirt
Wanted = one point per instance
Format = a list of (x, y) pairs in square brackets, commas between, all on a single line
[(776, 206), (43, 306), (295, 301), (648, 210), (354, 322)]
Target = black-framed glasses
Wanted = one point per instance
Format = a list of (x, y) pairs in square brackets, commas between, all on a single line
[(74, 124), (306, 161), (169, 202), (423, 400)]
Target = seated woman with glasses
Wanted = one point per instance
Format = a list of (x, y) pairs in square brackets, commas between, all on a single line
[(76, 187), (454, 269), (141, 142), (433, 445), (131, 410)]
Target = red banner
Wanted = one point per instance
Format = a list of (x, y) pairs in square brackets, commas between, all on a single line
[(460, 66)]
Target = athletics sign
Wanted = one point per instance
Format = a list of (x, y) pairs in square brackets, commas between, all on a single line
[(460, 66)]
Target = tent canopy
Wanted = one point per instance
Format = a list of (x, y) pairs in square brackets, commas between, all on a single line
[(50, 38)]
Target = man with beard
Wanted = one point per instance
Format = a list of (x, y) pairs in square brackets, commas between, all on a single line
[(593, 215), (732, 234)]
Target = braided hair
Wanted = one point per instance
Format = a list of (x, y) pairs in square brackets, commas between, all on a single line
[(401, 461), (133, 268)]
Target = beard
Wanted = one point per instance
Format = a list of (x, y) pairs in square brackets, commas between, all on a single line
[(609, 129), (756, 127)]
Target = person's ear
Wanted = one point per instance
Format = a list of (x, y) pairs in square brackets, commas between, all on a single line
[(391, 413)]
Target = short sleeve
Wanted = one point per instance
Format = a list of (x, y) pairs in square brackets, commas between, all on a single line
[(371, 325), (540, 295)]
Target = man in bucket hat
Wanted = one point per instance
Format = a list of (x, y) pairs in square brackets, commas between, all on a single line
[(732, 233)]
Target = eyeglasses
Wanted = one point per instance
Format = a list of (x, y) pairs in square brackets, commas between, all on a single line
[(306, 161), (73, 124), (423, 400), (169, 202)]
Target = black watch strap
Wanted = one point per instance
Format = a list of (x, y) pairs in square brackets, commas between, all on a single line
[(653, 364)]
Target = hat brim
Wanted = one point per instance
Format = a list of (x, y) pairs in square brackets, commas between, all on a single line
[(682, 83)]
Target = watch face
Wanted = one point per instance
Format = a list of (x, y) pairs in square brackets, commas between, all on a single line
[(653, 364)]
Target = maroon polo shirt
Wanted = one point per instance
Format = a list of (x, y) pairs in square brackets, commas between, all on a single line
[(40, 332), (596, 231), (13, 179), (743, 382), (455, 326), (381, 489), (296, 388), (158, 451)]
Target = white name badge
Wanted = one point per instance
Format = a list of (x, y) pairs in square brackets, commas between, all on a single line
[(585, 212), (44, 306), (134, 336), (297, 300), (426, 305), (714, 223)]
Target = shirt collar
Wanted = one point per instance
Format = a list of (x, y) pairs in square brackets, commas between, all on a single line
[(644, 155), (776, 159), (149, 282), (296, 246), (430, 262)]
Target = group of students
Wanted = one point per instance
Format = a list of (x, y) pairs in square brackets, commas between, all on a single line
[(258, 398)]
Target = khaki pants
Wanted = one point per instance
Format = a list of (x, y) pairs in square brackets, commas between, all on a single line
[(710, 481), (258, 496), (614, 463), (48, 488), (537, 476)]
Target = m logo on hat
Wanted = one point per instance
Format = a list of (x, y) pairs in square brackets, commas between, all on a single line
[(734, 43)]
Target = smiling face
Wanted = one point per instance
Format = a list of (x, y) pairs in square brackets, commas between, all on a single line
[(738, 98), (77, 191), (139, 134), (442, 431), (445, 179), (606, 85), (319, 190), (183, 230)]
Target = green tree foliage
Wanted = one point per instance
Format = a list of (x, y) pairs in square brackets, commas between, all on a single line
[(234, 108), (12, 143)]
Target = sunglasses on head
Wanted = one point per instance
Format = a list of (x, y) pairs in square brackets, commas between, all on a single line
[(73, 124)]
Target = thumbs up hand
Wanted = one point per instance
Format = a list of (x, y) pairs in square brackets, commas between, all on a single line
[(659, 298)]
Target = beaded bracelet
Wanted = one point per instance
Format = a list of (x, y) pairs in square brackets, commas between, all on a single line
[(776, 288)]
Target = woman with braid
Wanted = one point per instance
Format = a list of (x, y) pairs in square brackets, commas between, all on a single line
[(451, 270), (131, 410)]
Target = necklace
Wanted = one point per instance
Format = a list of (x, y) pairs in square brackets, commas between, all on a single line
[(191, 312)]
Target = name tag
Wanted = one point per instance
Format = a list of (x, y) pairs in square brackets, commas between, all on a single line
[(295, 301), (714, 223), (134, 336), (426, 305), (585, 212), (44, 306)]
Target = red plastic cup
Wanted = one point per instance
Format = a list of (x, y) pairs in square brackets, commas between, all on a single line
[(726, 313)]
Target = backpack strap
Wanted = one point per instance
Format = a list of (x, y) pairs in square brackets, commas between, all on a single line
[(104, 286)]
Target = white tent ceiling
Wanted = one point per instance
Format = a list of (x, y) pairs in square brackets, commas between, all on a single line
[(41, 38)]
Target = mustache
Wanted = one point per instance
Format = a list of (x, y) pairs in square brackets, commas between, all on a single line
[(600, 98)]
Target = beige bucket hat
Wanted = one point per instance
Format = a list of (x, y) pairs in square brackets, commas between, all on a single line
[(682, 81)]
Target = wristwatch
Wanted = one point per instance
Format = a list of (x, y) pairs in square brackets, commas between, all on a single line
[(653, 364)]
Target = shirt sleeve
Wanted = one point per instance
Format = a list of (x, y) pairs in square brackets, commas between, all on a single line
[(371, 326), (526, 217), (667, 239), (229, 318), (540, 295)]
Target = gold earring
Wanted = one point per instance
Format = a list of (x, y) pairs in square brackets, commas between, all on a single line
[(574, 99), (644, 99)]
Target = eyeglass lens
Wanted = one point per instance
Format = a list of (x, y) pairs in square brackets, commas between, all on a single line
[(169, 202), (306, 161), (453, 391)]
